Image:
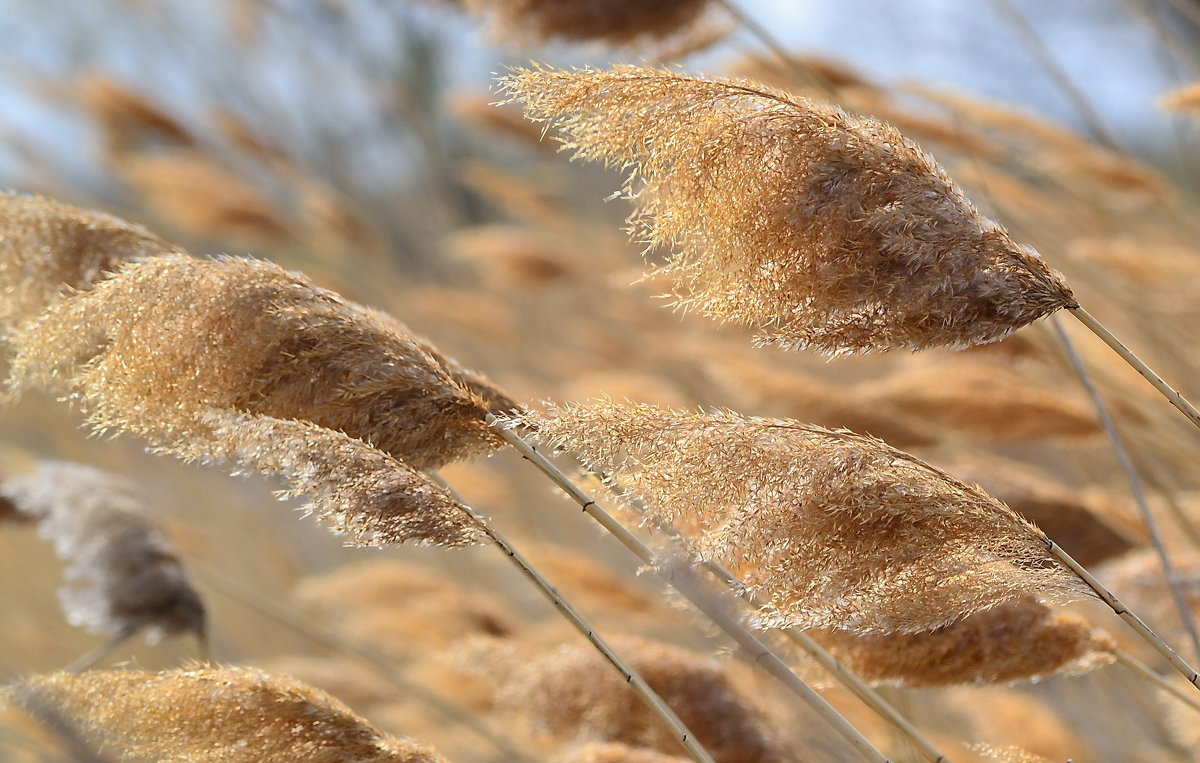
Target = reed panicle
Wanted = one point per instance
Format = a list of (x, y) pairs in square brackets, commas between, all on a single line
[(616, 22), (217, 716), (155, 347), (1077, 517), (817, 229), (47, 247), (355, 489), (1016, 641), (614, 752), (123, 576), (570, 694), (833, 529)]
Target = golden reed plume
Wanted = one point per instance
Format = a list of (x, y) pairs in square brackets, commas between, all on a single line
[(152, 349), (1019, 640), (570, 694), (833, 529), (216, 716), (816, 228), (47, 247)]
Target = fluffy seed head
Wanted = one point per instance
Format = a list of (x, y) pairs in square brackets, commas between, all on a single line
[(1020, 640), (572, 693), (815, 228), (355, 489), (46, 247), (153, 348), (122, 573), (834, 529), (218, 716), (616, 22)]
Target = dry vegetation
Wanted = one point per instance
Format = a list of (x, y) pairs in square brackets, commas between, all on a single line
[(280, 297)]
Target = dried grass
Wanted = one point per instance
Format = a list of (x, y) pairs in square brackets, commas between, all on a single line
[(152, 350), (571, 695), (815, 228), (47, 247), (1016, 641), (833, 529), (123, 575), (219, 716)]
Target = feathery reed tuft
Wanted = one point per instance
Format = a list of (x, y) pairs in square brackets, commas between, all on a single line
[(570, 694), (818, 229), (833, 529), (616, 22), (152, 349), (47, 247), (355, 489), (122, 574), (1016, 641), (216, 716)]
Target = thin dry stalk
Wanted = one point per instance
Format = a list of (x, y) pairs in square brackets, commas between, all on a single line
[(218, 715), (816, 228), (123, 576), (663, 712), (1143, 671), (834, 529), (1135, 485), (682, 580)]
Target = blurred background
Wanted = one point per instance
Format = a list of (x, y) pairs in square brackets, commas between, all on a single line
[(357, 141)]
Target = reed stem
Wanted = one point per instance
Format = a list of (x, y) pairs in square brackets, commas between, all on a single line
[(684, 582), (1135, 622), (1135, 483), (679, 729), (1176, 399), (1144, 670)]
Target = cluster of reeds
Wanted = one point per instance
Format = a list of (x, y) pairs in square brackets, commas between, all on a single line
[(794, 210)]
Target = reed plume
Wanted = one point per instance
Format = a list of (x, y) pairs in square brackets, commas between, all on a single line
[(355, 489), (217, 716), (569, 694), (815, 228), (47, 247), (1077, 517), (616, 22), (153, 349), (833, 529), (614, 752), (123, 576), (1015, 641)]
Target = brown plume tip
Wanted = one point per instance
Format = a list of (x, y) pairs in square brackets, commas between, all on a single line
[(1016, 641), (154, 347), (815, 228), (123, 575), (47, 247), (215, 715), (834, 529)]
